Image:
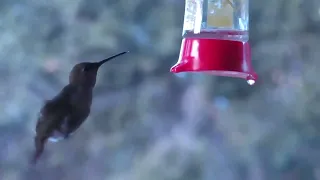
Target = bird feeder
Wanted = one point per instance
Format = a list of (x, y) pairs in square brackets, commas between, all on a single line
[(215, 39)]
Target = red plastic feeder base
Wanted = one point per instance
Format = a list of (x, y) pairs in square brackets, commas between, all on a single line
[(217, 57)]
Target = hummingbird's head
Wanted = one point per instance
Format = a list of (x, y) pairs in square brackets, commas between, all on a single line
[(85, 73)]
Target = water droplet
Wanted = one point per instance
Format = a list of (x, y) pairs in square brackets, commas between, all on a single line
[(251, 82), (251, 79)]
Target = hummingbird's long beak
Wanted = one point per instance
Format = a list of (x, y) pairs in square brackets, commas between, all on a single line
[(110, 58)]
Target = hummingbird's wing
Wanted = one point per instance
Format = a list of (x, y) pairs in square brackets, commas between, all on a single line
[(55, 111), (51, 116)]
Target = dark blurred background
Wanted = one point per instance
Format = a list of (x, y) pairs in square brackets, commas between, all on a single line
[(149, 124)]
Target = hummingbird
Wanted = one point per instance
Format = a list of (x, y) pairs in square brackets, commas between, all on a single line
[(61, 116)]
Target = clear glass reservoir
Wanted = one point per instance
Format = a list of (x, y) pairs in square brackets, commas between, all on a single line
[(215, 39), (223, 19)]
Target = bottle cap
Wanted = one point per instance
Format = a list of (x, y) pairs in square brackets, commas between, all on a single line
[(217, 57)]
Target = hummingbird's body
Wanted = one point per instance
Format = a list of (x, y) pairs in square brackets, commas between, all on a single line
[(63, 115)]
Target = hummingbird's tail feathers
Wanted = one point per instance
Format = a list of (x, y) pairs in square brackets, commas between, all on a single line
[(39, 145)]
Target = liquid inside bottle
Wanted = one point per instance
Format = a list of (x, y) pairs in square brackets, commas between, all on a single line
[(217, 19)]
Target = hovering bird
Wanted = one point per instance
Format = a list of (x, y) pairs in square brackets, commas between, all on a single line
[(61, 116)]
